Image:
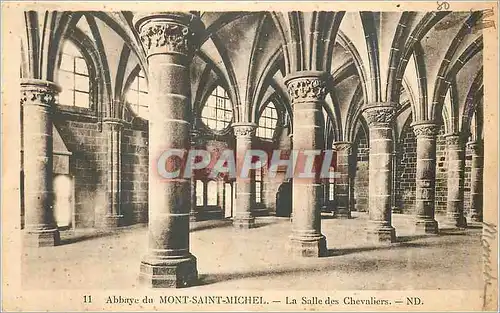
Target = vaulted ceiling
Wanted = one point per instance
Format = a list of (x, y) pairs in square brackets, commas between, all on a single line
[(429, 64)]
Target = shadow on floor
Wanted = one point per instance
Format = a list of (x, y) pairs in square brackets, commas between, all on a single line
[(331, 217), (266, 222), (73, 237), (83, 234), (475, 226), (260, 222), (204, 225), (345, 251), (340, 265), (412, 237), (452, 232)]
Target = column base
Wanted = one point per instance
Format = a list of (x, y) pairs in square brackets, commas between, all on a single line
[(455, 221), (193, 217), (244, 222), (475, 216), (380, 234), (173, 273), (343, 214), (426, 226), (308, 247), (110, 221), (396, 209), (42, 238)]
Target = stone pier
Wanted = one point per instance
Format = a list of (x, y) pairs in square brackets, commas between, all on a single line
[(38, 100), (380, 119), (113, 128), (168, 39), (342, 181), (456, 169), (242, 216), (425, 133), (307, 92), (476, 184)]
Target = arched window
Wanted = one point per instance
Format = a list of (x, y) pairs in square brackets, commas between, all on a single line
[(217, 113), (331, 191), (267, 121), (258, 182), (73, 77), (212, 193), (137, 96), (199, 193)]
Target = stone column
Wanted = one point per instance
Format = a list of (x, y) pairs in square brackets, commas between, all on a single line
[(307, 92), (396, 209), (380, 119), (342, 181), (456, 167), (291, 179), (38, 99), (192, 212), (113, 129), (242, 216), (425, 133), (168, 40), (476, 184), (205, 194)]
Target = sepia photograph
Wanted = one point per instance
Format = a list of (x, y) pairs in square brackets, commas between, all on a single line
[(238, 156)]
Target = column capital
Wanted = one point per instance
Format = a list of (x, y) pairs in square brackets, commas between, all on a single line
[(475, 146), (425, 129), (379, 114), (168, 32), (195, 137), (194, 133), (344, 146), (113, 120), (306, 86), (453, 139), (244, 129), (38, 92)]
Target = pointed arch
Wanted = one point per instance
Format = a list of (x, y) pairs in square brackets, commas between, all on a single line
[(345, 42), (423, 27), (440, 84), (270, 69), (474, 96), (369, 27)]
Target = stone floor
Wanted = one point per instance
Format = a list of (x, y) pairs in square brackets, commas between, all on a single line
[(258, 258)]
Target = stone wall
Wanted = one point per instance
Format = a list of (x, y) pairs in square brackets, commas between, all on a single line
[(361, 153), (135, 165), (85, 140), (441, 170), (405, 175), (406, 161), (467, 177)]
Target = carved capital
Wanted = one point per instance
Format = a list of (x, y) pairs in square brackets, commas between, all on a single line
[(168, 32), (38, 92), (195, 137), (425, 130), (379, 115), (476, 147), (113, 124), (344, 146), (244, 129), (453, 140), (307, 86)]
